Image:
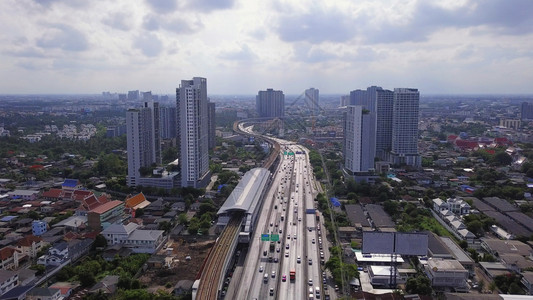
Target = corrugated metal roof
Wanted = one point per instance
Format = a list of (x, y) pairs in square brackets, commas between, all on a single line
[(246, 194)]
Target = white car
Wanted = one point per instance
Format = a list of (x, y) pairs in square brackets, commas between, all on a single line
[(261, 269)]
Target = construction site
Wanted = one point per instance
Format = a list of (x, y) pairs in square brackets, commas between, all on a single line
[(178, 260)]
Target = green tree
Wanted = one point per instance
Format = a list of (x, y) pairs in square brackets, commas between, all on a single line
[(100, 241), (86, 279), (418, 285)]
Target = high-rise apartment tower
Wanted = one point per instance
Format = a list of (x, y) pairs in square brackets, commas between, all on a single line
[(193, 128), (270, 104)]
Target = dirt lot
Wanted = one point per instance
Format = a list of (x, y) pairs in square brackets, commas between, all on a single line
[(157, 278)]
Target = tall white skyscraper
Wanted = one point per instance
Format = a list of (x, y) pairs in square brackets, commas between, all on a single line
[(384, 127), (144, 148), (193, 127), (359, 124), (405, 127)]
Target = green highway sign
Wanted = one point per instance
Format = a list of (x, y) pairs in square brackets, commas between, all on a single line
[(291, 153), (284, 152), (265, 237), (274, 237)]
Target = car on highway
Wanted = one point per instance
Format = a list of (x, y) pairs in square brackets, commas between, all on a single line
[(261, 269), (313, 241), (278, 249), (298, 260), (310, 282), (294, 236), (286, 253), (284, 278), (286, 246), (271, 291), (310, 261), (273, 274)]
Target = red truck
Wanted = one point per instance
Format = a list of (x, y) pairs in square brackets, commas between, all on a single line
[(292, 275)]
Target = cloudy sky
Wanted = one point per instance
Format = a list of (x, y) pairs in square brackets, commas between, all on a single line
[(242, 46)]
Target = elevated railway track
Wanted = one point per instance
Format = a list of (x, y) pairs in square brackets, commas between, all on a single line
[(212, 274)]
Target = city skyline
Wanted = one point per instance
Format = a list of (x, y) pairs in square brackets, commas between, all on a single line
[(79, 47)]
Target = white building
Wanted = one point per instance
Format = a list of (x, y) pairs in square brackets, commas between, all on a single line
[(8, 280), (193, 130), (381, 276), (359, 131), (144, 147), (456, 205), (118, 233), (447, 274), (138, 240), (405, 127)]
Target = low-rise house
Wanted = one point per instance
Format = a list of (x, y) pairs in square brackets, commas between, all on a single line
[(516, 262), (38, 227), (40, 293), (30, 245), (27, 195), (107, 286), (17, 293), (78, 248), (9, 258), (26, 276), (57, 254), (183, 287), (65, 288), (8, 280), (456, 205)]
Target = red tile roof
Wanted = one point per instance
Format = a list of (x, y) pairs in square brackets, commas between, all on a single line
[(27, 241), (107, 206), (79, 195), (53, 193), (70, 236), (465, 144), (135, 200), (6, 253)]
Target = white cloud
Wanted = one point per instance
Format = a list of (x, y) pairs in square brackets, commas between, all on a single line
[(337, 46)]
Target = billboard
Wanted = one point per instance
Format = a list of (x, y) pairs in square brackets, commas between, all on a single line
[(402, 243), (378, 242)]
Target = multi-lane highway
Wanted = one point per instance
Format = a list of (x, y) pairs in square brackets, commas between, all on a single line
[(289, 212)]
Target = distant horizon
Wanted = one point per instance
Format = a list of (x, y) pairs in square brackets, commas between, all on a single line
[(246, 95)]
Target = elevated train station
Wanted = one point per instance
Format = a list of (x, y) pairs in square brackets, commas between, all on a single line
[(245, 200)]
